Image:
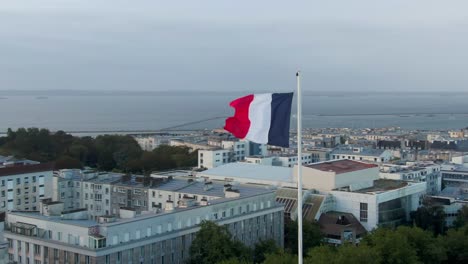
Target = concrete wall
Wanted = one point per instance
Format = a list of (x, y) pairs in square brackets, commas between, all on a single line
[(326, 181)]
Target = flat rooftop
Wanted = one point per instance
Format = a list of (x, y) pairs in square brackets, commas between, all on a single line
[(22, 169), (245, 192), (242, 170), (341, 166), (196, 187), (383, 185)]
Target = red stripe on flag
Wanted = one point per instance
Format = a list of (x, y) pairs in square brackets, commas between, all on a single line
[(239, 124)]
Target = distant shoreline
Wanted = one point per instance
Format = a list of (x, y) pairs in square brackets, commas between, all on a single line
[(5, 93)]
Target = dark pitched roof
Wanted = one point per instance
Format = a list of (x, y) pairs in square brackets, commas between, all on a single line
[(334, 223), (21, 169)]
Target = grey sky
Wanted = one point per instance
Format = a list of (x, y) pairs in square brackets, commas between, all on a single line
[(228, 45)]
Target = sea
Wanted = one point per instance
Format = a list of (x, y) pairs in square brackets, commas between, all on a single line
[(107, 113)]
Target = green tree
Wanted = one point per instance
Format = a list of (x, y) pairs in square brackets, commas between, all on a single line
[(66, 162), (264, 248), (462, 217), (456, 245), (365, 254), (323, 254), (213, 244), (280, 258), (430, 217), (428, 248), (391, 246), (312, 236)]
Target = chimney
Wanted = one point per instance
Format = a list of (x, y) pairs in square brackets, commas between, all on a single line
[(204, 202), (208, 186), (231, 193), (169, 206)]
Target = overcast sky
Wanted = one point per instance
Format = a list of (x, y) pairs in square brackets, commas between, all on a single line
[(227, 45)]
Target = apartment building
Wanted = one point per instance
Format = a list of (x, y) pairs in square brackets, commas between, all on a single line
[(361, 154), (56, 236), (230, 151), (87, 189), (22, 185)]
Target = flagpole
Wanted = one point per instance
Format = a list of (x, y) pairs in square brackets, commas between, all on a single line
[(299, 167)]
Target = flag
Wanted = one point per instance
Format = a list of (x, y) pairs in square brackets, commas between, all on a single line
[(262, 118)]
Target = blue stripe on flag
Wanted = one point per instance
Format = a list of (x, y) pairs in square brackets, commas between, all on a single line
[(280, 119)]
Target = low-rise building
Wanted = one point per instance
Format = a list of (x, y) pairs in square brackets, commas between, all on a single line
[(346, 186), (427, 172), (455, 176)]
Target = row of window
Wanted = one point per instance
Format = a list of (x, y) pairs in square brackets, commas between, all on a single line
[(18, 180)]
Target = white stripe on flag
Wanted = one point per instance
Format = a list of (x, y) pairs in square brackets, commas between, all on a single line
[(260, 118)]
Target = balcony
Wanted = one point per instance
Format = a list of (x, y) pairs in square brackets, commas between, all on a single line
[(22, 229)]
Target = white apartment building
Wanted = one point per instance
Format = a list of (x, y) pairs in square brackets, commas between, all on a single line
[(286, 160), (54, 236), (361, 154), (149, 143), (213, 158), (291, 160), (427, 172), (23, 186), (85, 189), (261, 160), (173, 191), (230, 151)]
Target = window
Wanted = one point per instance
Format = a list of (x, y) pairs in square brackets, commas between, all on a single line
[(18, 181), (363, 212), (137, 191), (18, 191)]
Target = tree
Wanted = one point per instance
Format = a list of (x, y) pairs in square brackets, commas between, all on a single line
[(323, 254), (428, 248), (264, 248), (456, 245), (280, 258), (66, 162), (363, 253), (312, 236), (213, 244), (391, 246), (462, 217), (430, 217)]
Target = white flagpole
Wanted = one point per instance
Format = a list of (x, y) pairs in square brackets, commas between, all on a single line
[(299, 167)]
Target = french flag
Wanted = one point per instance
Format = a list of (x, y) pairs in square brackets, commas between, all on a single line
[(262, 118)]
